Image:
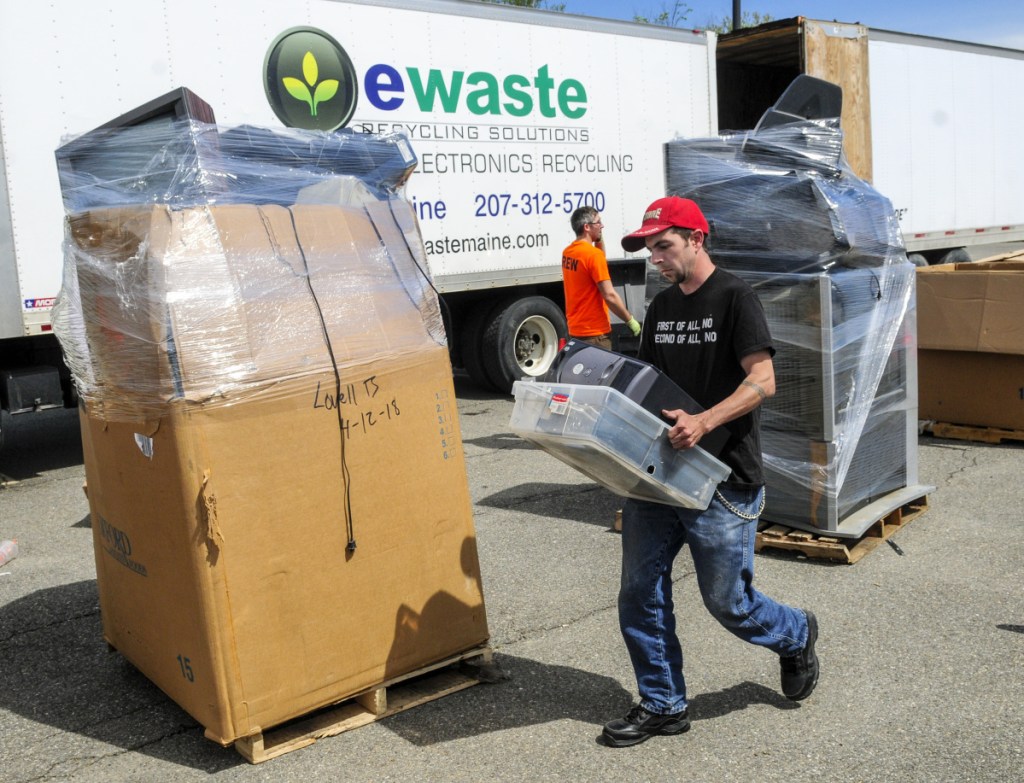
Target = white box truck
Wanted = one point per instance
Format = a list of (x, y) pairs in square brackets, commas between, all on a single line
[(929, 122), (517, 118)]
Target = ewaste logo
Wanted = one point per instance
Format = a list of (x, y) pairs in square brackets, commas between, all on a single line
[(310, 80)]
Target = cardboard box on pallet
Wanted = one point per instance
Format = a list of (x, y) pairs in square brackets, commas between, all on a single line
[(971, 342), (190, 302), (229, 465)]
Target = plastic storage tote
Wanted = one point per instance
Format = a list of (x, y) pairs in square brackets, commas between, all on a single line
[(608, 437)]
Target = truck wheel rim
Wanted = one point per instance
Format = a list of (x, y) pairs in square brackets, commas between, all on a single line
[(536, 344)]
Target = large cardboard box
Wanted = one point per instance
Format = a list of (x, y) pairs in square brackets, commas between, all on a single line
[(971, 342), (202, 302), (229, 477)]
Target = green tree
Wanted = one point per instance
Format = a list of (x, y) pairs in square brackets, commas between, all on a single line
[(679, 12), (673, 16), (747, 19)]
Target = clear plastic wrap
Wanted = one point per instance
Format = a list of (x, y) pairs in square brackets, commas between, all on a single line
[(824, 252), (784, 200), (212, 264), (844, 350)]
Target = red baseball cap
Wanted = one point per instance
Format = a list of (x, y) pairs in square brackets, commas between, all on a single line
[(664, 213)]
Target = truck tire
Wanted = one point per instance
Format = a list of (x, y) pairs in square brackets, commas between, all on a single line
[(958, 255), (917, 259), (5, 422), (522, 339), (471, 345)]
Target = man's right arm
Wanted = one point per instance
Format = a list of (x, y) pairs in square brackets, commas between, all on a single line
[(756, 387), (617, 306), (613, 300)]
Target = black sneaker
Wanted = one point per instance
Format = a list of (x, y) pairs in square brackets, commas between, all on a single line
[(640, 725), (800, 671)]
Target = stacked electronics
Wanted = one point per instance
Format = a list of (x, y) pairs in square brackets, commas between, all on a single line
[(253, 335), (170, 151), (824, 253)]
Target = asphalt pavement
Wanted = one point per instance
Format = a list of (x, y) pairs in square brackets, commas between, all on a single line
[(922, 653)]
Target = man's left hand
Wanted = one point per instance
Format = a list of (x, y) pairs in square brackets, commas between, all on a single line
[(687, 430)]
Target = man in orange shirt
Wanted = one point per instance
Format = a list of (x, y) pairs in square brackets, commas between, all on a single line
[(589, 293)]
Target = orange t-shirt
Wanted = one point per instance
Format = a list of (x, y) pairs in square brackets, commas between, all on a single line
[(583, 267)]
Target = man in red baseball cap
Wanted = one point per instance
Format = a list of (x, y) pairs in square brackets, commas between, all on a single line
[(665, 213), (708, 332)]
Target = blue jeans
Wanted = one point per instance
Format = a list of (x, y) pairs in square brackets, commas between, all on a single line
[(722, 546)]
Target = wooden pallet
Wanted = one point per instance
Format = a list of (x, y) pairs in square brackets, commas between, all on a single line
[(964, 432), (389, 698), (844, 550)]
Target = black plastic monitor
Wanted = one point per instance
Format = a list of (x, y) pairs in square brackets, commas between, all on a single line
[(588, 365), (107, 155)]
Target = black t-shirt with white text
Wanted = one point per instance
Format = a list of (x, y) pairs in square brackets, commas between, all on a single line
[(698, 340)]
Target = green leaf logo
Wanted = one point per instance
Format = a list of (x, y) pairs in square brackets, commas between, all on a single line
[(300, 91), (310, 71), (310, 80), (324, 92)]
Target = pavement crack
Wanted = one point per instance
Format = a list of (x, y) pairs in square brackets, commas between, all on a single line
[(84, 762), (527, 634), (55, 624), (966, 464)]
